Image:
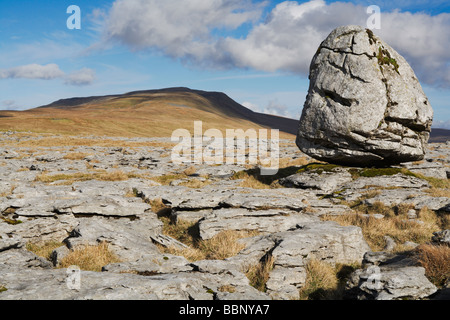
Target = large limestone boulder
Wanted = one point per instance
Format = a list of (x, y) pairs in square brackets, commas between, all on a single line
[(365, 105)]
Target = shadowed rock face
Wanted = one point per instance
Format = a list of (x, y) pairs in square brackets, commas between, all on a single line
[(365, 105)]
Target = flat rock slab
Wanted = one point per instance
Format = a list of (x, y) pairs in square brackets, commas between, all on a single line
[(40, 284), (263, 221), (325, 181), (129, 240)]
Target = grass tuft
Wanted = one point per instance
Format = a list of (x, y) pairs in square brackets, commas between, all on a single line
[(324, 281), (45, 249), (90, 258), (220, 247), (117, 175), (395, 224), (258, 274), (436, 261)]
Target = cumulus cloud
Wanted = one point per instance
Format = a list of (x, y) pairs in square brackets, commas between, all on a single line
[(292, 33), (32, 71), (273, 107), (251, 106), (178, 27), (50, 71), (82, 77), (440, 124), (285, 40), (277, 109), (9, 105)]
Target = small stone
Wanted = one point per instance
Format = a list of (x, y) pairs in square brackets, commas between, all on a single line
[(412, 214)]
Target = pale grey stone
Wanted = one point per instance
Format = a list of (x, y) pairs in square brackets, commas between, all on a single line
[(359, 112), (151, 265), (168, 242), (129, 240), (390, 244), (389, 276), (264, 221), (324, 181), (58, 254), (393, 284)]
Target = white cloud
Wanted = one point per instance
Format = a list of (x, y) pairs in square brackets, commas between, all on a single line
[(251, 106), (8, 105), (439, 124), (423, 40), (82, 77), (179, 28), (273, 107), (291, 35), (32, 71), (285, 40), (50, 71), (277, 109)]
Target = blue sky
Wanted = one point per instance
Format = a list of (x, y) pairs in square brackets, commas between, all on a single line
[(257, 52)]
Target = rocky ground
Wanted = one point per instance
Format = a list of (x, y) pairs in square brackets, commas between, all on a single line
[(78, 192)]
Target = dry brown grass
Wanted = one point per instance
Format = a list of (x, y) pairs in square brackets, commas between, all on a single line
[(188, 181), (258, 274), (139, 116), (45, 249), (90, 258), (157, 205), (225, 288), (289, 162), (436, 261), (116, 175), (43, 140), (166, 179), (439, 192), (9, 192), (76, 156), (321, 279), (397, 226), (195, 183), (252, 178), (221, 246), (324, 281), (250, 181)]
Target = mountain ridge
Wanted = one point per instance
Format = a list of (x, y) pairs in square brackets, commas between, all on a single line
[(134, 112), (217, 103), (283, 124)]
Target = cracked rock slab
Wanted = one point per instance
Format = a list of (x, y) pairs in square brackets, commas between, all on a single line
[(387, 276), (264, 221)]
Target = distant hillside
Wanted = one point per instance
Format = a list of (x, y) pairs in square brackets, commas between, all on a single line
[(439, 135), (150, 113), (143, 113)]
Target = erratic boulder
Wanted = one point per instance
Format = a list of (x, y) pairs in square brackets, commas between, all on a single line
[(365, 105)]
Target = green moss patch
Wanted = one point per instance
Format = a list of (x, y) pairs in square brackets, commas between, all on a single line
[(384, 58), (318, 167)]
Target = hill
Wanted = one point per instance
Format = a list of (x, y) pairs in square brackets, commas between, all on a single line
[(154, 113), (150, 113), (439, 135)]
